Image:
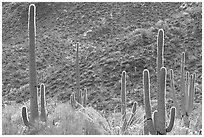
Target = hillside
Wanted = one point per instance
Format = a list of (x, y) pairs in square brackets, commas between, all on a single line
[(112, 36)]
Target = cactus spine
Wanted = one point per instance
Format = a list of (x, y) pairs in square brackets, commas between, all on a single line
[(157, 126), (34, 114), (187, 93)]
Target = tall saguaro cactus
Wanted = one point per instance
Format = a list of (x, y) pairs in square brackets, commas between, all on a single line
[(32, 65), (187, 93), (34, 114), (156, 125)]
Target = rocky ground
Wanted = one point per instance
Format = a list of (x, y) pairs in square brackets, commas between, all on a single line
[(112, 37)]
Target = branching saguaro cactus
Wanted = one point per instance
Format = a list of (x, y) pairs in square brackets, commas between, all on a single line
[(157, 126), (32, 66), (34, 115), (187, 93), (43, 116)]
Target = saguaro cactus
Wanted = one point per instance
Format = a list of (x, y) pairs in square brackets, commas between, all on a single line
[(85, 98), (42, 101), (72, 100), (157, 126), (187, 93), (78, 94), (123, 97), (34, 114), (32, 65), (43, 116), (125, 122)]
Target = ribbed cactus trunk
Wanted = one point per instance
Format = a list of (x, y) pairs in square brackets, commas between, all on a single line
[(123, 97), (161, 129), (32, 65), (42, 102), (160, 86), (160, 49), (149, 121), (157, 125), (85, 98), (78, 93), (174, 94), (183, 95)]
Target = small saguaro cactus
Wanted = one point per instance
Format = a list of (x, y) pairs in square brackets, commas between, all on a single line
[(157, 126), (78, 94), (187, 93), (32, 65)]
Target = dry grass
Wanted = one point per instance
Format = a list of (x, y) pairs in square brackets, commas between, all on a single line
[(64, 120)]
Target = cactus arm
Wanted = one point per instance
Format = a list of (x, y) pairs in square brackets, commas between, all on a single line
[(78, 95), (155, 118), (24, 116), (172, 119), (187, 90), (72, 100), (81, 96), (42, 99), (191, 93), (85, 98), (174, 93), (123, 97), (161, 102), (123, 91), (132, 117), (183, 95), (32, 64), (146, 87)]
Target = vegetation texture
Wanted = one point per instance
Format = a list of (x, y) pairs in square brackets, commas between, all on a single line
[(80, 50)]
